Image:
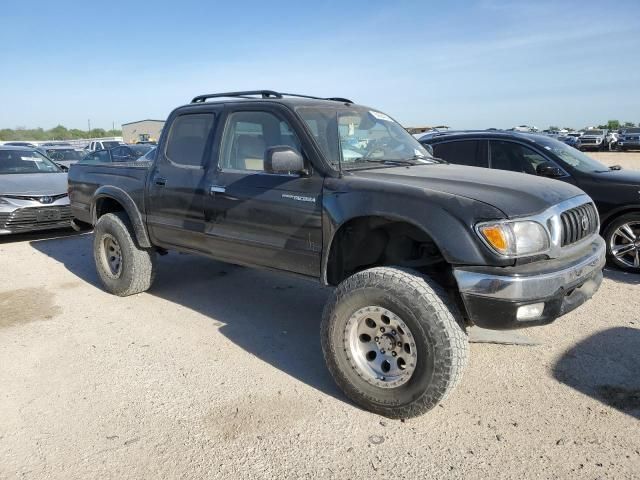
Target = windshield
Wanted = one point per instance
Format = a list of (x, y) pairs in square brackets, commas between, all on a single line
[(575, 158), (632, 130), (108, 145), (59, 155), (358, 137), (25, 161), (594, 132)]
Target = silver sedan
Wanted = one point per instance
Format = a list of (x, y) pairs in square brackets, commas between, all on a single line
[(33, 192)]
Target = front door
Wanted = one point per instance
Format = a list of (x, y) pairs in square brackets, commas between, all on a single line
[(175, 190), (258, 218)]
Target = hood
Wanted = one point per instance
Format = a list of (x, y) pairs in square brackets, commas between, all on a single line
[(623, 177), (515, 194), (33, 184)]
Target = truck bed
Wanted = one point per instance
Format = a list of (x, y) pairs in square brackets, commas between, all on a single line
[(85, 179)]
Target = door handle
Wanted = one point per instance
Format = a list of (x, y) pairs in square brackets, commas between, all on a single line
[(213, 189), (161, 181)]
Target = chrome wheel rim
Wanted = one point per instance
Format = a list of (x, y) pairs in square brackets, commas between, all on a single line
[(625, 244), (111, 256), (380, 347)]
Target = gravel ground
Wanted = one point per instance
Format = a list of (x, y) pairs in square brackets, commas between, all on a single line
[(217, 372)]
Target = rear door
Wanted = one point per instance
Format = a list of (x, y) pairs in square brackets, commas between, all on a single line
[(463, 152), (175, 188), (258, 218)]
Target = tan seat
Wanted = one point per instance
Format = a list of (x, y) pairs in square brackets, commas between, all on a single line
[(250, 152)]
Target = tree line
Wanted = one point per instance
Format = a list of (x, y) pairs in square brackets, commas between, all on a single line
[(58, 132)]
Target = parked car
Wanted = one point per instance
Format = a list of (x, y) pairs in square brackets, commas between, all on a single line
[(121, 153), (19, 144), (629, 139), (616, 192), (64, 156), (570, 139), (343, 194), (33, 192), (593, 140), (102, 145)]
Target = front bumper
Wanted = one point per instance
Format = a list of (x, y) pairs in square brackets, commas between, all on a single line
[(492, 296), (629, 144), (29, 219)]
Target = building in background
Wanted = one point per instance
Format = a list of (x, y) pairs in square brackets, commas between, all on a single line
[(142, 131)]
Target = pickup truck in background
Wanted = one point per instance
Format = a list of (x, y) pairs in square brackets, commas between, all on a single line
[(417, 250), (593, 140)]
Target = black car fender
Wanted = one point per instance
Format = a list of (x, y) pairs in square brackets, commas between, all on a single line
[(449, 220)]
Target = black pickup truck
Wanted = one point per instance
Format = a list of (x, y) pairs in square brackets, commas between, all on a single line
[(418, 250)]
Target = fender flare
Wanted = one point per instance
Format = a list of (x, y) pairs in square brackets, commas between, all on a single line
[(130, 207)]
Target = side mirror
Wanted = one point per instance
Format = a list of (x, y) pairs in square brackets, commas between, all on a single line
[(283, 159), (548, 169)]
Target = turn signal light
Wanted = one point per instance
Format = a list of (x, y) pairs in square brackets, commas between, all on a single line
[(494, 234)]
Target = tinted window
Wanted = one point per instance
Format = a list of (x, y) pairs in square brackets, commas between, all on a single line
[(248, 135), (514, 157), (121, 154), (188, 138), (464, 152)]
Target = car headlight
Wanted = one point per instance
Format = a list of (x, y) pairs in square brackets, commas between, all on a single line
[(515, 239)]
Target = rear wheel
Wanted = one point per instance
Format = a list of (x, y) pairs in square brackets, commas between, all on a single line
[(623, 242), (123, 267), (392, 343)]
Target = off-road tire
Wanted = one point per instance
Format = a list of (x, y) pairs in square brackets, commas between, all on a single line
[(440, 338), (138, 264), (608, 233)]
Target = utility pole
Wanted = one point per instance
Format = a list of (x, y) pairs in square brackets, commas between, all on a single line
[(89, 122)]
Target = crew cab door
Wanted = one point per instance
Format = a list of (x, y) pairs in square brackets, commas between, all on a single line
[(175, 186), (258, 218)]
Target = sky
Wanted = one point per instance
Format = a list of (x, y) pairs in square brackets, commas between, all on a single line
[(472, 64)]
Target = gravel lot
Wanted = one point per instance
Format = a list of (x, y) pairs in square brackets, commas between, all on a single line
[(217, 372)]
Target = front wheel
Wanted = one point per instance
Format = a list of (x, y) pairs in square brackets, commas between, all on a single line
[(392, 343), (623, 242)]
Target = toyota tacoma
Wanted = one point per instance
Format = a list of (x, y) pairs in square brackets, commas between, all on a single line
[(417, 250)]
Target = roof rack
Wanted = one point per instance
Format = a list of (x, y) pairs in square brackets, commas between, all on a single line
[(263, 94)]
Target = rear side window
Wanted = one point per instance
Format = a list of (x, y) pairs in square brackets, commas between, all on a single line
[(188, 138), (464, 152)]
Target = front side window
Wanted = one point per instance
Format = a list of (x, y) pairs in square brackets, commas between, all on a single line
[(514, 157), (188, 138), (464, 152), (248, 135), (25, 161), (357, 137)]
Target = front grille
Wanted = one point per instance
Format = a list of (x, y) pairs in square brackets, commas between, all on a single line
[(35, 218), (38, 198), (587, 140), (574, 222)]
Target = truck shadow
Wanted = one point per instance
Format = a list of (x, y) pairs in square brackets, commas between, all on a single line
[(272, 316), (605, 366)]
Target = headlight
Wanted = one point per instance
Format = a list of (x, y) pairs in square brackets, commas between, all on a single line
[(515, 239)]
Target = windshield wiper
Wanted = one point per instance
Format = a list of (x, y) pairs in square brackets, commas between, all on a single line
[(422, 157), (385, 160), (611, 168)]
